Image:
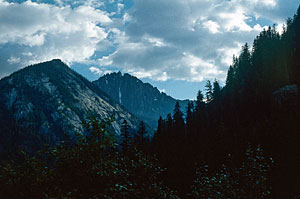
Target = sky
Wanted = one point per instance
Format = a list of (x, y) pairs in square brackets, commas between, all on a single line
[(175, 45)]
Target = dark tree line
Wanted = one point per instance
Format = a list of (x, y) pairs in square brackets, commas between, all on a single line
[(259, 104), (138, 139), (91, 166)]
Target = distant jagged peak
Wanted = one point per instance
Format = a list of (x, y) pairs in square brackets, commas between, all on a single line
[(119, 76), (141, 98), (119, 73), (122, 75)]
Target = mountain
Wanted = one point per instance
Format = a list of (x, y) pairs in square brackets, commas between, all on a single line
[(44, 102), (141, 99)]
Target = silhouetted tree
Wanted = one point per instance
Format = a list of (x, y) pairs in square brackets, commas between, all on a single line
[(216, 90), (199, 103), (178, 121), (140, 137), (189, 115), (209, 92), (125, 136)]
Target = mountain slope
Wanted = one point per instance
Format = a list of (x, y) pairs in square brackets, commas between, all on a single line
[(141, 99), (44, 102)]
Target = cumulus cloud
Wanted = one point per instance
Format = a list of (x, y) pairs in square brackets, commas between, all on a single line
[(46, 31), (212, 26), (190, 40), (13, 60), (95, 70)]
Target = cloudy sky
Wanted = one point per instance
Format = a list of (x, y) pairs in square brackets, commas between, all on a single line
[(174, 44)]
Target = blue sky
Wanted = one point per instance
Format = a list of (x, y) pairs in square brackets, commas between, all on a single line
[(173, 44)]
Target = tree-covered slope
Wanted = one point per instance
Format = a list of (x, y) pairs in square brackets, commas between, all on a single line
[(260, 104)]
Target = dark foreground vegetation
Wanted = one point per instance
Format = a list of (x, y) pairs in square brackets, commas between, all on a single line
[(90, 167), (93, 167), (239, 141)]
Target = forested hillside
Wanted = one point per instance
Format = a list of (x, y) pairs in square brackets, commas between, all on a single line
[(259, 104)]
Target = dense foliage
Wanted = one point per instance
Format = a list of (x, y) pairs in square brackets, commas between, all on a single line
[(249, 180), (259, 104), (90, 167)]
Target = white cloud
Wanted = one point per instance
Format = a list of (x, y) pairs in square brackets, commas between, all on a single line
[(212, 26), (171, 39), (105, 61), (163, 77), (235, 20), (226, 54), (126, 18), (189, 40), (93, 3), (14, 60), (266, 3), (95, 70), (155, 41), (140, 74), (199, 68), (160, 31), (59, 2), (120, 7), (34, 40), (46, 31)]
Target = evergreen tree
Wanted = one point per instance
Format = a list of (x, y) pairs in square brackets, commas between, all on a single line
[(216, 90), (242, 70), (245, 110), (296, 53), (189, 116), (178, 119), (200, 112), (199, 103), (231, 72), (126, 141), (84, 169), (158, 135), (189, 112), (140, 137), (169, 124), (230, 76), (209, 92)]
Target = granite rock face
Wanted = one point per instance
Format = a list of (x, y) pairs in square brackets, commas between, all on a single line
[(45, 102), (141, 99)]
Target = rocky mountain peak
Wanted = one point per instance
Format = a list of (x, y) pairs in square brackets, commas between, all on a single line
[(47, 101), (142, 99)]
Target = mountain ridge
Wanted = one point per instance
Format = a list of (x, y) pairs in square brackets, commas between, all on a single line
[(142, 99), (43, 103)]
